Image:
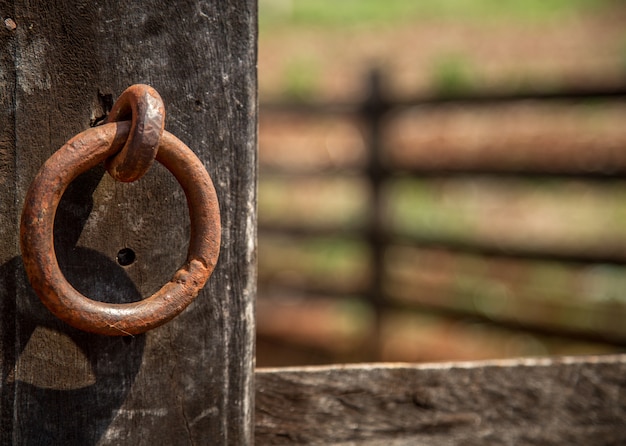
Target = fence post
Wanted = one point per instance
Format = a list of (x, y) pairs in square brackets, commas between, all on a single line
[(190, 380), (373, 111)]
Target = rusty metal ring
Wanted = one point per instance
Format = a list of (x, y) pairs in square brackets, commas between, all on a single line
[(78, 155), (143, 106)]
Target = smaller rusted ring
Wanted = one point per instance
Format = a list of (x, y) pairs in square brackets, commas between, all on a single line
[(143, 106), (78, 155)]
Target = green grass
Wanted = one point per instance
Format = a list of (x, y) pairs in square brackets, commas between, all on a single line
[(452, 74), (323, 260), (351, 12), (301, 79)]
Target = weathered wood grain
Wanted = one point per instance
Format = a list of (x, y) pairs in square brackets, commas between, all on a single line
[(190, 381), (8, 214), (573, 401)]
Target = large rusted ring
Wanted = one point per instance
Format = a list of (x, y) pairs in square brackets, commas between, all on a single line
[(143, 106), (78, 155)]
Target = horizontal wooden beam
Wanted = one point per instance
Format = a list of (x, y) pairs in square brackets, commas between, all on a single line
[(602, 253), (549, 401), (474, 99), (564, 170)]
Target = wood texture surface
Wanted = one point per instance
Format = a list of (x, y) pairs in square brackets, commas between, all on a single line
[(567, 401), (190, 381)]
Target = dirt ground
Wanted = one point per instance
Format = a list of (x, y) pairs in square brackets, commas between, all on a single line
[(331, 65), (577, 50)]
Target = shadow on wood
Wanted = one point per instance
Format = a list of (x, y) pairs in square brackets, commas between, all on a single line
[(70, 383)]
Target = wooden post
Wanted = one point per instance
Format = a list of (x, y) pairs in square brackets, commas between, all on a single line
[(373, 112), (189, 381)]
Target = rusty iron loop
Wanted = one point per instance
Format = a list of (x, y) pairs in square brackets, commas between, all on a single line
[(79, 154), (143, 106)]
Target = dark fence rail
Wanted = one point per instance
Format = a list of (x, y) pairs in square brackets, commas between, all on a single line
[(373, 112)]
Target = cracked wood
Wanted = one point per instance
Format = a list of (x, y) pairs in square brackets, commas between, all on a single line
[(189, 381), (573, 401)]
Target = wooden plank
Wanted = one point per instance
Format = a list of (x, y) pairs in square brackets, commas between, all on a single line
[(573, 401), (189, 381)]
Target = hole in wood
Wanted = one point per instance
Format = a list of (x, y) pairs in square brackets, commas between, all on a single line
[(125, 256)]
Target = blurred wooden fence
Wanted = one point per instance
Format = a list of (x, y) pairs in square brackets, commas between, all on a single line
[(376, 110)]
